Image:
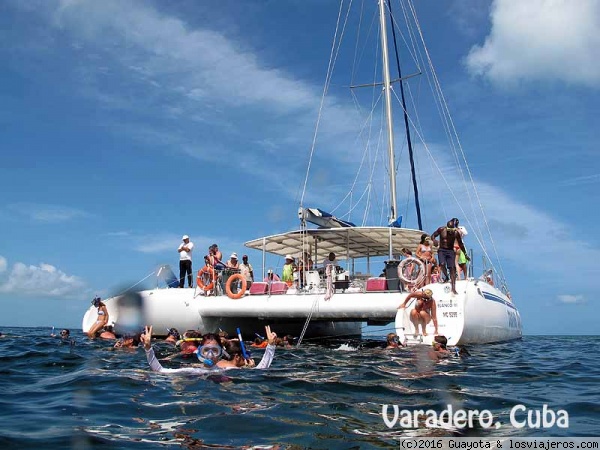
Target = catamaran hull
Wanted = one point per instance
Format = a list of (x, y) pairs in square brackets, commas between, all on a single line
[(479, 314)]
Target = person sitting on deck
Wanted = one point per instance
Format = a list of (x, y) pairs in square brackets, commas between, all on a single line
[(232, 262), (330, 259), (287, 274), (424, 310), (271, 276), (215, 257)]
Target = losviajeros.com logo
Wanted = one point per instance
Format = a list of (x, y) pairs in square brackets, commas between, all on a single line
[(520, 417)]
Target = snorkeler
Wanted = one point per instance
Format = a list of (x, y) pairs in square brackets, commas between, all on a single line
[(209, 354), (392, 341)]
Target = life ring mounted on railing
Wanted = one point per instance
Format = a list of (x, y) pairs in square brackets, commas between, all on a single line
[(412, 271), (236, 278), (207, 272)]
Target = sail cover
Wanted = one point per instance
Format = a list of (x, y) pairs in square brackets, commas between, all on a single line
[(324, 219)]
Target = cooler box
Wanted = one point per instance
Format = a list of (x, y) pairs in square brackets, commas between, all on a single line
[(278, 287), (376, 284), (258, 288)]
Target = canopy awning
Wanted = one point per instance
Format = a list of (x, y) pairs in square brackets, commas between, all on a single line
[(352, 242)]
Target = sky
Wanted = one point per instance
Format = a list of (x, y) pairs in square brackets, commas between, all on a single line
[(128, 124)]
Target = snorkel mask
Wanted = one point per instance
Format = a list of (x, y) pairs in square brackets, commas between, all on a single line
[(96, 301), (209, 354)]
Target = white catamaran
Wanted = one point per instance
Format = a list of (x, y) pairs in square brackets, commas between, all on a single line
[(334, 300)]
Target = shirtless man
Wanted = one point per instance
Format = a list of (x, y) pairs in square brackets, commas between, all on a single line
[(424, 310), (446, 255)]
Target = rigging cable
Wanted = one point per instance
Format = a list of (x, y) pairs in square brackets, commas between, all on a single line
[(455, 134)]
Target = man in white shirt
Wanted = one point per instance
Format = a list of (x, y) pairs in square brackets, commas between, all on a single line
[(185, 261)]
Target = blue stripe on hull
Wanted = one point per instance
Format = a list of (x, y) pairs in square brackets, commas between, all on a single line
[(495, 298)]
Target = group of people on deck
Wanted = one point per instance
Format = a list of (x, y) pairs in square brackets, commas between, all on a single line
[(214, 258), (452, 255)]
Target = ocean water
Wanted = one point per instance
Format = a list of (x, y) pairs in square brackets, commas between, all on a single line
[(85, 394)]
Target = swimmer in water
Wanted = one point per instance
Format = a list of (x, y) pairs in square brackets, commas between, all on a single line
[(209, 354)]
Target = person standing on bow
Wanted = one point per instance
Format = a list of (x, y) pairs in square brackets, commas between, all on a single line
[(185, 261), (446, 255)]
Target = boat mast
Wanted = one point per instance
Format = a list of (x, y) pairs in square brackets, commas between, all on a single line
[(408, 140), (388, 109)]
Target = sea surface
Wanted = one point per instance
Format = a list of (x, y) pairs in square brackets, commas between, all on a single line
[(57, 394)]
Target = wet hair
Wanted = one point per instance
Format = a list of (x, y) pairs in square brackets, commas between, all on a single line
[(233, 348), (258, 341), (173, 332), (211, 337), (441, 340), (289, 338), (65, 331), (134, 337), (192, 334), (392, 337)]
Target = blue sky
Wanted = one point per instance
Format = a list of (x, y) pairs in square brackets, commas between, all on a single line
[(127, 124)]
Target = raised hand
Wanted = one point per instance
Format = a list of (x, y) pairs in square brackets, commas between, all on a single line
[(271, 336), (147, 337)]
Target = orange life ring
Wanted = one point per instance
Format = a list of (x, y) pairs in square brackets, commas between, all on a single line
[(213, 276), (231, 279)]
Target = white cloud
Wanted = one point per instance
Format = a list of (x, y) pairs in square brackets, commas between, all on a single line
[(44, 280), (47, 213), (540, 40), (3, 264), (571, 299)]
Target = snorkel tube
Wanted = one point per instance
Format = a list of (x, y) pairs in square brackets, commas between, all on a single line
[(242, 346)]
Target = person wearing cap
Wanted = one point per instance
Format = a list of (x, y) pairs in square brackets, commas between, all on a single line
[(424, 310), (232, 262), (185, 261), (271, 276), (247, 271), (287, 273)]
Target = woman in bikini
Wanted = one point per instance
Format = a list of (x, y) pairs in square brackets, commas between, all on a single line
[(424, 310), (102, 319), (425, 254)]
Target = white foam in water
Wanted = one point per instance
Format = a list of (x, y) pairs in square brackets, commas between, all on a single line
[(345, 348)]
